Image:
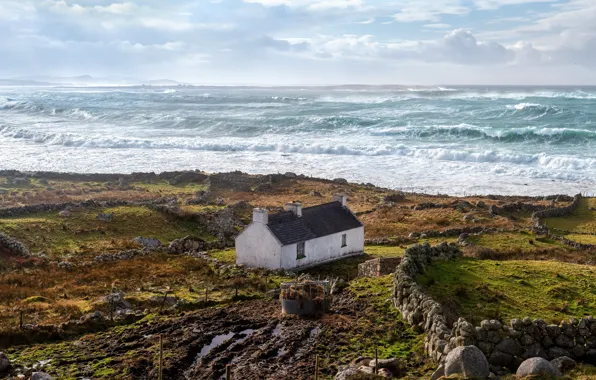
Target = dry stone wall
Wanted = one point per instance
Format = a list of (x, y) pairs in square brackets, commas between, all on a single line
[(13, 246), (505, 346)]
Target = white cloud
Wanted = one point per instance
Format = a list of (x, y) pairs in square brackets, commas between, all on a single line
[(361, 39)]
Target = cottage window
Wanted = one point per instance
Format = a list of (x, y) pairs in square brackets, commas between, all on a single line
[(344, 240), (300, 251)]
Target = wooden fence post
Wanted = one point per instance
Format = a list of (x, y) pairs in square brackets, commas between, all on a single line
[(376, 360), (228, 372), (21, 320), (317, 367), (160, 357)]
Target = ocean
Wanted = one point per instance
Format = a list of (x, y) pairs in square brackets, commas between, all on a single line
[(453, 140)]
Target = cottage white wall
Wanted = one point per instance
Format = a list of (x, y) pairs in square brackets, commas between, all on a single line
[(257, 247), (326, 248)]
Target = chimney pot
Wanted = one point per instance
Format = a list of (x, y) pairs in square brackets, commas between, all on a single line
[(260, 215), (341, 198), (295, 207)]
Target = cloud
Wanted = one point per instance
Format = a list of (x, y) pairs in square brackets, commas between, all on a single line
[(357, 40)]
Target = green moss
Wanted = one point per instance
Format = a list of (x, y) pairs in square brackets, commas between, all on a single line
[(35, 299), (481, 289), (225, 256)]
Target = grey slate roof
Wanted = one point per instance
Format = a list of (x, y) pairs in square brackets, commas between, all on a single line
[(316, 221)]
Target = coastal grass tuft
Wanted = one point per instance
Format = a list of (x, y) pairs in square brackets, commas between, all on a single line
[(485, 289)]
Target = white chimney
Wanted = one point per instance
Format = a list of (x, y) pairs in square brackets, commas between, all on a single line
[(341, 199), (295, 207), (260, 215)]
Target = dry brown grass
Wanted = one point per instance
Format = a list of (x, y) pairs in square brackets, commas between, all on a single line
[(73, 293)]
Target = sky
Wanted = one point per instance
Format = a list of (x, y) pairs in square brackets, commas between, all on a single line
[(303, 42)]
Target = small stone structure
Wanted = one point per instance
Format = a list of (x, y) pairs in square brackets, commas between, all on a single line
[(12, 246), (305, 298), (381, 266)]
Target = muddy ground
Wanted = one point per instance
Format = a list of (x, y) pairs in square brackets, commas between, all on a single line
[(253, 337)]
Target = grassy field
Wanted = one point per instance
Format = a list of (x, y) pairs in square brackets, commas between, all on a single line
[(484, 289), (583, 219), (83, 232), (524, 242)]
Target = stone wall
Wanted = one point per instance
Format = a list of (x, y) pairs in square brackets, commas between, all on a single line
[(558, 212), (56, 207), (12, 246), (417, 307), (381, 266), (505, 346)]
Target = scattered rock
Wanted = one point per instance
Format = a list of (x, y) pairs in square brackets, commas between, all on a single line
[(414, 235), (394, 198), (341, 181), (3, 191), (105, 217), (66, 265), (480, 204), (147, 243), (165, 301), (467, 361), (65, 214), (316, 194), (346, 374), (123, 182), (440, 372), (4, 363), (41, 376), (563, 364), (537, 367), (494, 210), (273, 294), (393, 365)]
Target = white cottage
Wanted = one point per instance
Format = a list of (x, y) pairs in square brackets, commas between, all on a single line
[(300, 237)]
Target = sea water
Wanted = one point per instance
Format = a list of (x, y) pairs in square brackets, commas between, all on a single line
[(456, 140)]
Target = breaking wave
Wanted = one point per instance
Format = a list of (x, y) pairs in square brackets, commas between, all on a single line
[(238, 145)]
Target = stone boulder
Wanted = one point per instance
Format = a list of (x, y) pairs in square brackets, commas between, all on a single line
[(392, 365), (346, 374), (4, 363), (341, 181), (41, 376), (105, 217), (537, 367), (564, 364), (468, 362), (64, 214), (147, 243)]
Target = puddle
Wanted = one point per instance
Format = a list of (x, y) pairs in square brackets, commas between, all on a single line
[(314, 332), (216, 341), (247, 333), (219, 339), (281, 352), (276, 331)]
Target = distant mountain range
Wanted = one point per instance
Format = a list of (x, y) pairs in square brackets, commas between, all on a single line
[(85, 80)]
